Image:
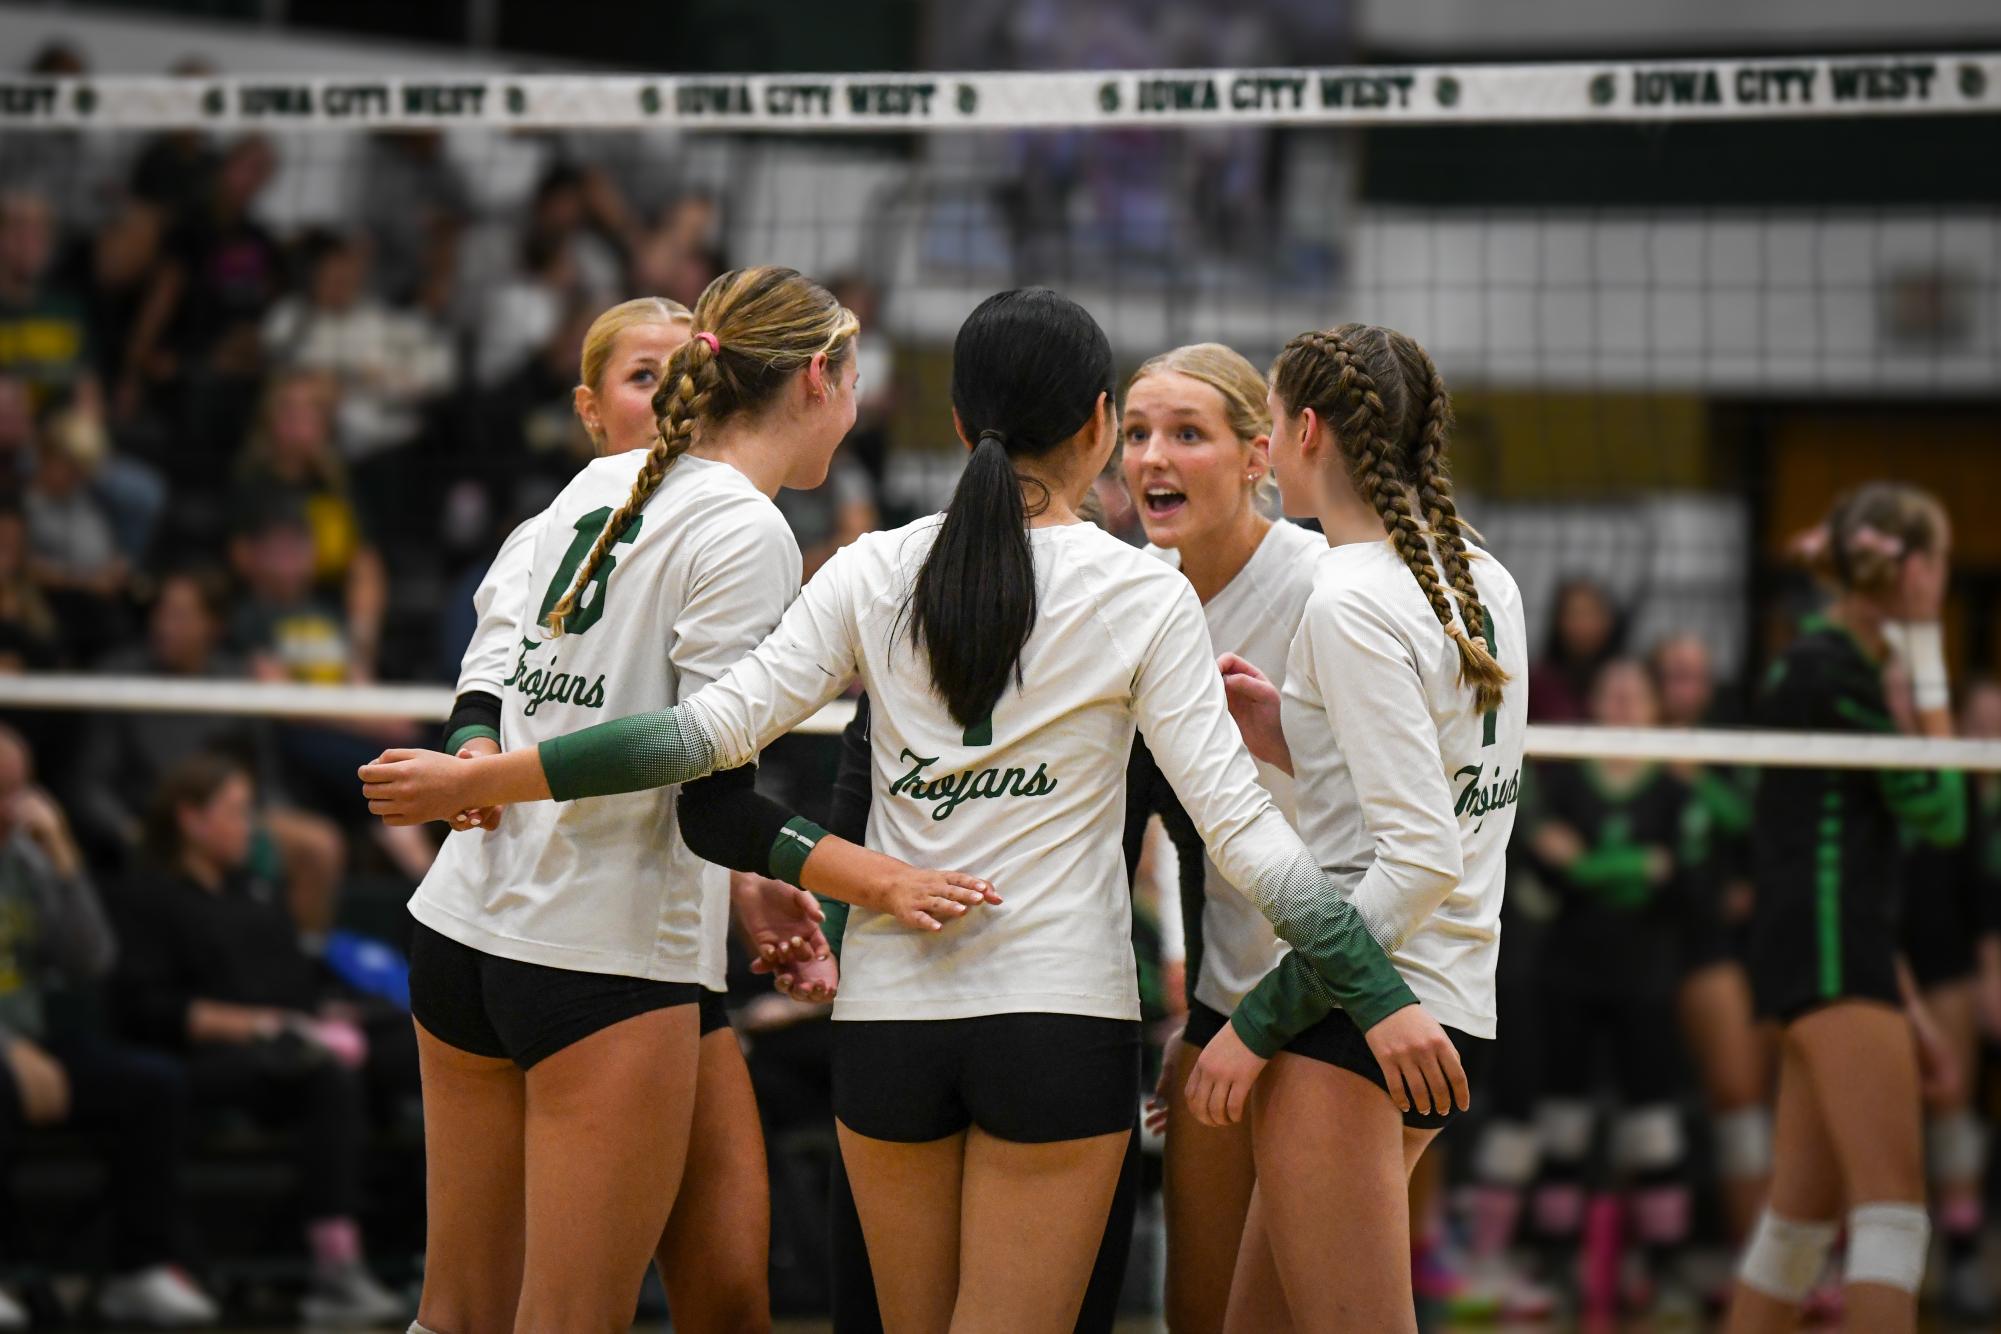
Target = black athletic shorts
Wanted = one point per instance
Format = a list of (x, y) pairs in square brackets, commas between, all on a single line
[(1941, 930), (1337, 1041), (1810, 950), (491, 1006), (715, 1014), (1029, 1078), (1203, 1023)]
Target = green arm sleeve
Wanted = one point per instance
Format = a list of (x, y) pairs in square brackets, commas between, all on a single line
[(631, 754), (836, 924), (1350, 969), (1929, 803), (1285, 1003), (1610, 866)]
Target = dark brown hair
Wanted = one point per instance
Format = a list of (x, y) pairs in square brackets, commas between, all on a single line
[(192, 782), (1383, 398)]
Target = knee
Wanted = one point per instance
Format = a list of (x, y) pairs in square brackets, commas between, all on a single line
[(1647, 1141), (1785, 1256), (1887, 1241), (1744, 1143)]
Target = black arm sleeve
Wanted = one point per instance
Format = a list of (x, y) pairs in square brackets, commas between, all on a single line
[(1148, 793), (847, 811), (726, 820), (475, 713)]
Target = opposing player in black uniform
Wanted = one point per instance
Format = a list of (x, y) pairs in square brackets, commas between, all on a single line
[(1823, 949)]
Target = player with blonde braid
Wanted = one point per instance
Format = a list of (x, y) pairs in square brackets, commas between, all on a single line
[(1403, 734), (561, 952)]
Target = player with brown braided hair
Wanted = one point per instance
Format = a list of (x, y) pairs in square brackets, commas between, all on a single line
[(1401, 720), (560, 955)]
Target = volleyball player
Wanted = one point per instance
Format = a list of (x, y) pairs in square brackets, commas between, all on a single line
[(1823, 949), (559, 959), (984, 1073), (714, 1257), (1406, 750), (1196, 438)]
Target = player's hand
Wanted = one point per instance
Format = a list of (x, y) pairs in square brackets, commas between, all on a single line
[(1156, 1106), (1254, 704), (407, 787), (486, 817), (808, 981), (1921, 586), (780, 922), (926, 900), (1220, 1084), (1420, 1064)]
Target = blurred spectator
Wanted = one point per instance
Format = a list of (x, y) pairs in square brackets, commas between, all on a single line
[(28, 640), (175, 170), (414, 201), (285, 629), (53, 935), (389, 364), (1586, 632), (72, 546), (526, 309), (290, 466), (678, 256), (832, 514), (17, 436), (114, 269), (126, 754), (223, 270), (213, 968), (43, 330), (532, 442)]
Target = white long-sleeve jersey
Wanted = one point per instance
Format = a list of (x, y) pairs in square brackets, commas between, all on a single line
[(1404, 792), (607, 884)]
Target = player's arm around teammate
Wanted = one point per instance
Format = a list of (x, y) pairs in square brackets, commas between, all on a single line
[(1407, 749)]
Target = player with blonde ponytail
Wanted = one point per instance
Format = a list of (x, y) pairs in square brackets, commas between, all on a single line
[(1400, 727), (562, 954)]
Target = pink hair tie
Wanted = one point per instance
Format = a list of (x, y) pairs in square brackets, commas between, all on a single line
[(709, 338)]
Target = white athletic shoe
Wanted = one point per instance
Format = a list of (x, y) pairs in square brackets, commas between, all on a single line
[(12, 1314), (160, 1296), (352, 1298)]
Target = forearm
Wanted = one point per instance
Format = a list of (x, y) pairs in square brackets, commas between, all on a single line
[(225, 1021), (506, 779), (632, 754), (1351, 968)]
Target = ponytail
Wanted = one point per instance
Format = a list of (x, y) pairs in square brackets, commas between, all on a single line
[(974, 602), (1029, 369)]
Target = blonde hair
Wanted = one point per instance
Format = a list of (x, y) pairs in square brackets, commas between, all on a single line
[(1862, 543), (1383, 398), (603, 334), (1224, 370), (765, 323)]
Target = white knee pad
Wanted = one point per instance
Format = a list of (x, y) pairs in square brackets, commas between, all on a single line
[(1956, 1147), (1507, 1154), (1887, 1244), (1647, 1139), (416, 1328), (1564, 1129), (1785, 1256), (1744, 1143)]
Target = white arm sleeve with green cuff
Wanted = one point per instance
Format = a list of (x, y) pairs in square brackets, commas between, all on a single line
[(1185, 717)]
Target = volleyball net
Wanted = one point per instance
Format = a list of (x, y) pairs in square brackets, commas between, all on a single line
[(1682, 306)]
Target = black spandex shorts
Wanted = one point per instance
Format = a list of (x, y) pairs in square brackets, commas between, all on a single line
[(1338, 1042), (1202, 1024), (491, 1006), (1807, 952), (1029, 1078), (715, 1014)]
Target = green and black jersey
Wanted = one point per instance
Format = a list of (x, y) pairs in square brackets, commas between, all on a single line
[(1621, 906), (1828, 846)]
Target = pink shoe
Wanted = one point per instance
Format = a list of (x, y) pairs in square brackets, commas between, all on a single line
[(1598, 1285)]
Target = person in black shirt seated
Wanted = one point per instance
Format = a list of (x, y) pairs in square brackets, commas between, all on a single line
[(213, 966)]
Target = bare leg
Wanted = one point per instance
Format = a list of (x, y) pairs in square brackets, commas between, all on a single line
[(1030, 1220), (608, 1122), (1257, 1296), (1333, 1180), (715, 1255), (908, 1199), (1209, 1176), (473, 1115)]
